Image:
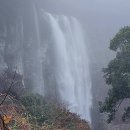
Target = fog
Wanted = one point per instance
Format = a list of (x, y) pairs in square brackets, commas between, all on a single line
[(100, 18), (60, 59)]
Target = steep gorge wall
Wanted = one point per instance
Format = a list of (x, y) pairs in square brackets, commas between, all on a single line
[(49, 51)]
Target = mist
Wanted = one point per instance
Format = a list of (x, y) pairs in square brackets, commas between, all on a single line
[(60, 47), (100, 18)]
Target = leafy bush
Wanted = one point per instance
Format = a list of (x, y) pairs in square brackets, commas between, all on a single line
[(51, 115)]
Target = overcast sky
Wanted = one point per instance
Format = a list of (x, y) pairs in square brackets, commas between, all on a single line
[(100, 18)]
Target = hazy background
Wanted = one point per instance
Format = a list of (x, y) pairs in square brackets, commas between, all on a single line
[(100, 18)]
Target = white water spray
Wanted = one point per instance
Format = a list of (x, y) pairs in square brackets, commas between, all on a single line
[(72, 64)]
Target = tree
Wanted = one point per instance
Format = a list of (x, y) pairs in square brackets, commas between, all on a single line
[(117, 75), (11, 83), (10, 88)]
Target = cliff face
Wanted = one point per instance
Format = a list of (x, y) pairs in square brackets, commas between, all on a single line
[(7, 22), (20, 40), (49, 51), (10, 31)]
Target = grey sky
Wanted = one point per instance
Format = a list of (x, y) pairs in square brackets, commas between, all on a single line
[(100, 18)]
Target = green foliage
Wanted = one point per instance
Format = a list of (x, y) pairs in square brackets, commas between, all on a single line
[(121, 39), (32, 111), (117, 74), (50, 114), (36, 107)]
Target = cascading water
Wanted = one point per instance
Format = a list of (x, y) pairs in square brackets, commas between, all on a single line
[(53, 59), (71, 64)]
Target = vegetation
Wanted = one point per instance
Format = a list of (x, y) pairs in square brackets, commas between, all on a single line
[(117, 75), (51, 116), (22, 111)]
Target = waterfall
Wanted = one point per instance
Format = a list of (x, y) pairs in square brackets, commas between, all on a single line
[(71, 64), (51, 53)]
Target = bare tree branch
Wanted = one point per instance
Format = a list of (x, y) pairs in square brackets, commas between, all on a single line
[(9, 89)]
